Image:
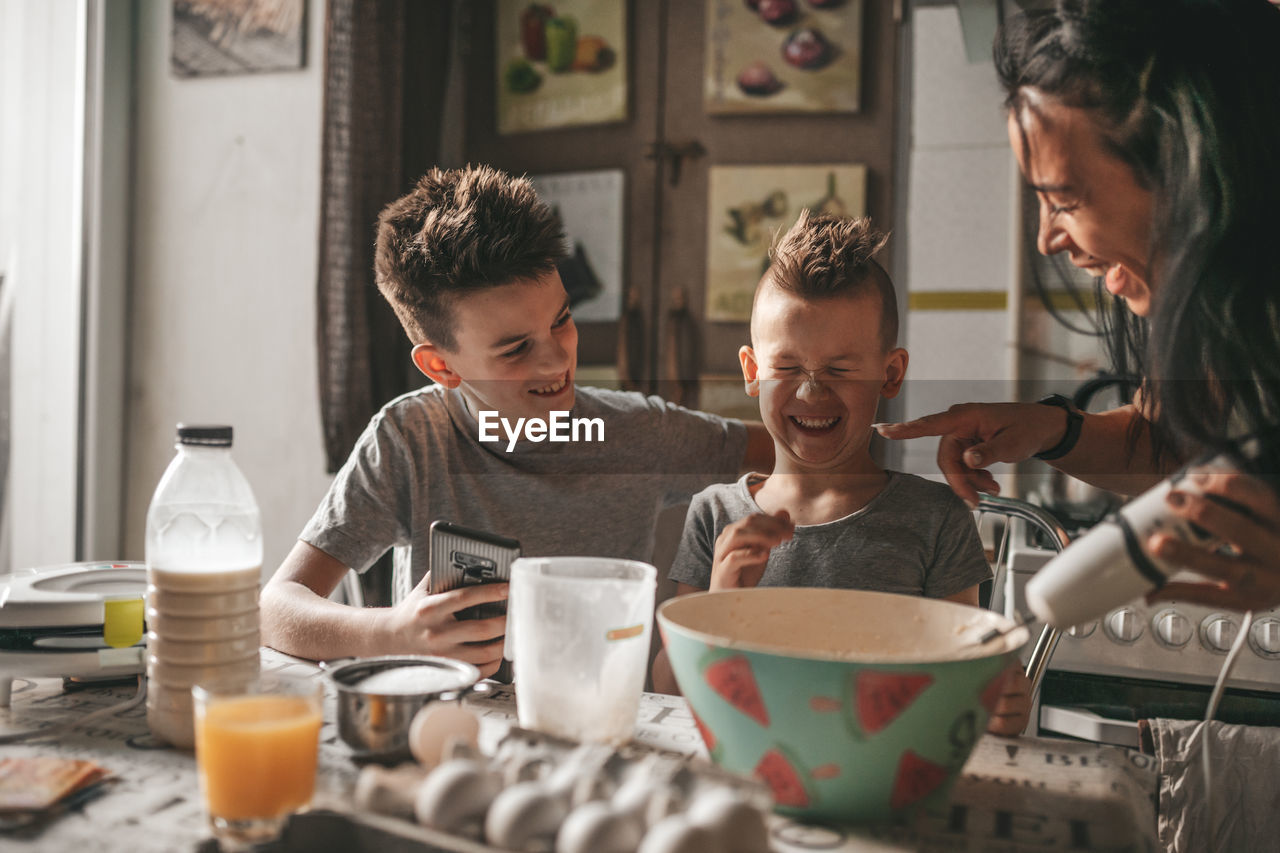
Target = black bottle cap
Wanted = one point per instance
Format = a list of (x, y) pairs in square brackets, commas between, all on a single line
[(204, 436)]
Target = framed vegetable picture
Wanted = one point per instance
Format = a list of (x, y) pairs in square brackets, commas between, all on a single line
[(560, 64), (779, 56), (749, 205)]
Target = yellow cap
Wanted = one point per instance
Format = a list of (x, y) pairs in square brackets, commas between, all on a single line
[(122, 622)]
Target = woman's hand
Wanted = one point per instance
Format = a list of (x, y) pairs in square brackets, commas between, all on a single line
[(426, 624), (1013, 708), (742, 549), (975, 435), (1249, 578)]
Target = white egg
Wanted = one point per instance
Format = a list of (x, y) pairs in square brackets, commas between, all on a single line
[(389, 791), (675, 834), (739, 827), (434, 725), (594, 827), (524, 814), (649, 800), (633, 796), (456, 794), (580, 775)]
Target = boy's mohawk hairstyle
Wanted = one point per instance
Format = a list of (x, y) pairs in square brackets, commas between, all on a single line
[(459, 231), (823, 256)]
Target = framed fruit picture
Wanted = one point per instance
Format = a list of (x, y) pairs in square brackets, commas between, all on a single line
[(560, 63), (780, 56), (749, 206)]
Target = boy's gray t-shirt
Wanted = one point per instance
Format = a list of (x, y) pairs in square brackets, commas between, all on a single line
[(420, 460), (915, 538)]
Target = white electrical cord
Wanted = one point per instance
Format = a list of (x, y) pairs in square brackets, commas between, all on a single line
[(1211, 711), (80, 721)]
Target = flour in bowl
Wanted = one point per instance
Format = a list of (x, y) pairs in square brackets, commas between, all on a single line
[(408, 680)]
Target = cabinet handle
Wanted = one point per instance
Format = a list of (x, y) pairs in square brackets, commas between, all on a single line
[(680, 353), (631, 344)]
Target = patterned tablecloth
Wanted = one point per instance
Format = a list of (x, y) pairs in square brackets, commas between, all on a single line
[(1028, 794)]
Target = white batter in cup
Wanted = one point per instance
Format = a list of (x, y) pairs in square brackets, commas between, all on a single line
[(579, 630)]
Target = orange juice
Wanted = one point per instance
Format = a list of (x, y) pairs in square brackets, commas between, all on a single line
[(257, 755)]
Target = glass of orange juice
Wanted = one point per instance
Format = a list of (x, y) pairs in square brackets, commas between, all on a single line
[(256, 748)]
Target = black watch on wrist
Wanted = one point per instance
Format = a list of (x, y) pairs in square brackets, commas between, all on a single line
[(1075, 421)]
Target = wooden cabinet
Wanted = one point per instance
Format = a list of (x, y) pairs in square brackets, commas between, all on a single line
[(665, 204)]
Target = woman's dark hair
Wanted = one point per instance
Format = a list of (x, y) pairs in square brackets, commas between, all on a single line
[(1187, 92)]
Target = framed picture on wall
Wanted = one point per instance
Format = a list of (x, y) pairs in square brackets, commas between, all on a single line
[(783, 56), (749, 205), (589, 205), (236, 36), (560, 64)]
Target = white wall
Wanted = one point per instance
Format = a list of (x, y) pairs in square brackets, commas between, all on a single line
[(222, 320)]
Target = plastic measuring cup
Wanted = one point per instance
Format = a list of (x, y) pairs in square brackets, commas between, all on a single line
[(579, 630)]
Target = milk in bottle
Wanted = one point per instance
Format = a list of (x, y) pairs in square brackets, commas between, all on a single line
[(204, 558)]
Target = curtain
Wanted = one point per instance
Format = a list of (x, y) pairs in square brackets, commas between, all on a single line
[(386, 69)]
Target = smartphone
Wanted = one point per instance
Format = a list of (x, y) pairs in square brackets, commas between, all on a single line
[(460, 557), (463, 557)]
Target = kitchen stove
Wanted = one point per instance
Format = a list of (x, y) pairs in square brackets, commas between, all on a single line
[(1142, 660)]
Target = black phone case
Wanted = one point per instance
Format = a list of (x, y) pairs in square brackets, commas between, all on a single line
[(464, 557)]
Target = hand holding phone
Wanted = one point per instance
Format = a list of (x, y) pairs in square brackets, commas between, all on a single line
[(462, 558), (423, 623)]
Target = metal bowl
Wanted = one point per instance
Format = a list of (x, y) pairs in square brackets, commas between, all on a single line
[(375, 722)]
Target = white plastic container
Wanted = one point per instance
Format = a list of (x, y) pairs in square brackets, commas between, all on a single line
[(204, 561), (579, 630)]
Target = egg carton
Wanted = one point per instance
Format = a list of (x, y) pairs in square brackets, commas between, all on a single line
[(538, 793)]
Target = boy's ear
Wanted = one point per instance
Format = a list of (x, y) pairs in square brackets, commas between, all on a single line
[(750, 370), (895, 370), (431, 360)]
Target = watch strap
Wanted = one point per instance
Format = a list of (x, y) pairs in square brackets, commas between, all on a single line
[(1075, 421)]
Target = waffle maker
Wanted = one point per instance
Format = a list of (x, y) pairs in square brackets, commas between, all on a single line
[(78, 621)]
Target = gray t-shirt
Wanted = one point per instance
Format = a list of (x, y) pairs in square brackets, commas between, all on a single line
[(420, 459), (915, 538)]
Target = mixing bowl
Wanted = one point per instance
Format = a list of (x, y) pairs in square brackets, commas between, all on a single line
[(852, 706)]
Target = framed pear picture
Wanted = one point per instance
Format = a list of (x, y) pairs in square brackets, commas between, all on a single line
[(749, 206)]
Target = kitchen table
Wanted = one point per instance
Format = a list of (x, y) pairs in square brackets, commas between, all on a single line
[(1014, 795)]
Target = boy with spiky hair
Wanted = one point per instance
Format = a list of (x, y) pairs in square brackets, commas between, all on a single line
[(823, 353), (468, 262)]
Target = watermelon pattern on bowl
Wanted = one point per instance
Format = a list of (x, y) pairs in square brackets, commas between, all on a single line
[(852, 706)]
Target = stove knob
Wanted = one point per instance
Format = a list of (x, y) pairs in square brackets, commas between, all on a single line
[(1172, 629), (1265, 637), (1081, 631), (1218, 633), (1123, 625)]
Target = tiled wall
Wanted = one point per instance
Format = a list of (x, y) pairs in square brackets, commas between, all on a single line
[(961, 235)]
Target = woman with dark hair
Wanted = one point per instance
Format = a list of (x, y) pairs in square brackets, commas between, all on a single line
[(1149, 132)]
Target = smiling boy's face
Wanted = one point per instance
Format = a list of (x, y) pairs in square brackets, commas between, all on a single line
[(516, 350), (822, 425)]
